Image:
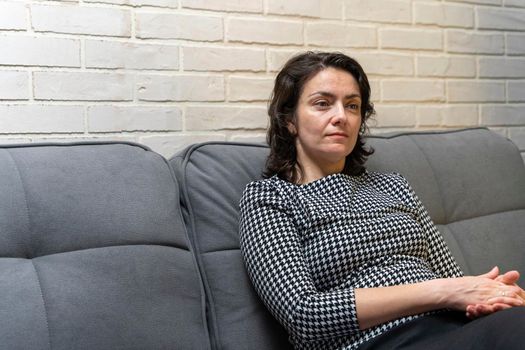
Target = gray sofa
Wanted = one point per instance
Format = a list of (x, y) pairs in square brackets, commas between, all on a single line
[(110, 246)]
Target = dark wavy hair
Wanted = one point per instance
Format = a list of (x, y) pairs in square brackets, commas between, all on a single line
[(288, 87)]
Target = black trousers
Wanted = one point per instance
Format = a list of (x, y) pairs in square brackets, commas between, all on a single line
[(453, 331)]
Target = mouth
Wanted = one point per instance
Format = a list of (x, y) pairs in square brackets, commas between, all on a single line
[(338, 134)]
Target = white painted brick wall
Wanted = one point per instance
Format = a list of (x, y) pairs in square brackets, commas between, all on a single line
[(73, 19), (14, 86), (39, 51), (13, 15), (340, 35), (251, 30), (82, 86), (123, 55), (223, 59), (173, 72)]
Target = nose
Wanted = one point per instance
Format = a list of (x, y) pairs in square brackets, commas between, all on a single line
[(339, 116)]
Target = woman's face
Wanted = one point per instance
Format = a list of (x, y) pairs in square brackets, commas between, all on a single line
[(328, 118)]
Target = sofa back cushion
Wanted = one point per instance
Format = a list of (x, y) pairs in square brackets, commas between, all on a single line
[(212, 177), (94, 252), (471, 181)]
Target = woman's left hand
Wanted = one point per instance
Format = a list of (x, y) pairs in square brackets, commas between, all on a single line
[(509, 278)]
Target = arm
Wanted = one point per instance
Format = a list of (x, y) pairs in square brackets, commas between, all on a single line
[(378, 305), (271, 247)]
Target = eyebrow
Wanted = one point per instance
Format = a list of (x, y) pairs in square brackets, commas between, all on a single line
[(329, 94)]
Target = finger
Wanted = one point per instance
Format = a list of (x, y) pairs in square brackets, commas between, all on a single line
[(510, 277), (492, 274), (509, 300)]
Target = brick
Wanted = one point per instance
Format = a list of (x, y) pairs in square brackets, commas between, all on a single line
[(311, 8), (517, 135), (112, 54), (249, 138), (181, 88), (385, 64), (497, 67), (395, 116), (429, 115), (455, 116), (81, 20), (475, 91), (390, 11), (503, 115), (375, 87), (223, 59), (133, 118), (514, 3), (83, 138), (225, 5), (13, 16), (169, 144), (136, 3), (11, 140), (265, 31), (277, 58), (179, 26), (516, 91), (444, 15), (41, 119), (515, 44), (413, 90), (417, 39), (460, 116), (225, 118), (82, 86), (474, 42), (30, 51), (504, 19), (340, 35), (483, 2), (250, 89), (14, 86), (439, 66)]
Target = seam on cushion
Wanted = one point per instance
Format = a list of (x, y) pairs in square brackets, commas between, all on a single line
[(44, 304), (445, 216), (192, 236), (208, 295), (29, 250), (453, 234)]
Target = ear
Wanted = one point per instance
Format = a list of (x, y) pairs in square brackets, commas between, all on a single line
[(292, 129)]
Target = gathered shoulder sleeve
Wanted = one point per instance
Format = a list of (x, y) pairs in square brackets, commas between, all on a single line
[(272, 251), (439, 255)]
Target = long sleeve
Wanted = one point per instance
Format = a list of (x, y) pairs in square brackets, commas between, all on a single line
[(439, 255), (271, 247)]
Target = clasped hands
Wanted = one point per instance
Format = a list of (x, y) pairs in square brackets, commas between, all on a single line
[(503, 295)]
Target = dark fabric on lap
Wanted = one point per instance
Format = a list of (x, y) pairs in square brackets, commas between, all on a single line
[(453, 331)]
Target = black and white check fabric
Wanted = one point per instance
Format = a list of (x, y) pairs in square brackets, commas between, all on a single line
[(307, 247)]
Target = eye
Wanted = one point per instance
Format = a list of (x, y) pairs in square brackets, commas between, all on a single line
[(322, 103), (353, 106)]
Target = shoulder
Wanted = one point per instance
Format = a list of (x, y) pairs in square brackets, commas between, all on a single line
[(267, 191)]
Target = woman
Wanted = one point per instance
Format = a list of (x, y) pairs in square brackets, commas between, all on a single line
[(345, 258)]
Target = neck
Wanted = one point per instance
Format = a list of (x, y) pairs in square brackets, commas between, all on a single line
[(313, 172)]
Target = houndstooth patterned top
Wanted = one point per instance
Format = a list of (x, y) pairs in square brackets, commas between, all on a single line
[(306, 247)]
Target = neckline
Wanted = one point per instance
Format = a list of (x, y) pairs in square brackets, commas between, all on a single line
[(321, 180)]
